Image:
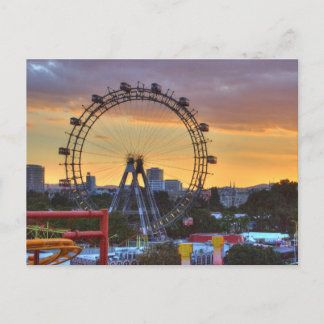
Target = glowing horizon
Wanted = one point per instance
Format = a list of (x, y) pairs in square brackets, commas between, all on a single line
[(250, 105)]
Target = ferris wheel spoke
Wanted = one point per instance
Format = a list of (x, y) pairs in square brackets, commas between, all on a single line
[(166, 143), (150, 129), (102, 147), (119, 138), (171, 176), (113, 142), (158, 131), (170, 166), (93, 153), (115, 130), (103, 162), (169, 149), (167, 157), (96, 171), (177, 149), (126, 115), (175, 128)]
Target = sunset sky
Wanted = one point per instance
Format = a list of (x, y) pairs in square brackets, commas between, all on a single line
[(251, 107)]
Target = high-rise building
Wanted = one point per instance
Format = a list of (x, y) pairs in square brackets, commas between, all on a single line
[(35, 177), (155, 174), (173, 186), (155, 179), (91, 183)]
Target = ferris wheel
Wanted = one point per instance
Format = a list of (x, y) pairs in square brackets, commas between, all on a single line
[(126, 131)]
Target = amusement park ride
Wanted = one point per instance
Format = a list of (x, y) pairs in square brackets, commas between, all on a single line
[(151, 221)]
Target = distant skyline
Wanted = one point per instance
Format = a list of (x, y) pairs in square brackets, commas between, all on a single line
[(250, 105)]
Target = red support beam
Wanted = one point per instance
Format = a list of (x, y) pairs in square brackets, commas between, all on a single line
[(102, 234), (104, 238), (36, 257), (81, 235), (65, 214)]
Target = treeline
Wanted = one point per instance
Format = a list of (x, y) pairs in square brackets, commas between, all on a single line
[(119, 230), (275, 210)]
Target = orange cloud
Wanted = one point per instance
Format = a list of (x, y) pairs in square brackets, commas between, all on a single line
[(103, 137)]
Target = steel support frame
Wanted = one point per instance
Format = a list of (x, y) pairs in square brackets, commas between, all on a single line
[(102, 234)]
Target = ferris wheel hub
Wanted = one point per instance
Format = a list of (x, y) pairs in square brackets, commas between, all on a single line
[(138, 158)]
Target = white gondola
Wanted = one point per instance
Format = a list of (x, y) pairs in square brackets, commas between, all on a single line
[(97, 99), (211, 159), (75, 121), (203, 127), (156, 88), (64, 151), (183, 101), (125, 86), (188, 221)]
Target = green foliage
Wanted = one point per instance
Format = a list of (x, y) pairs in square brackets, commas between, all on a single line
[(247, 254), (160, 254), (80, 224), (102, 201), (214, 201), (38, 201), (119, 230), (200, 203), (230, 224), (163, 201), (274, 210), (61, 202), (203, 222)]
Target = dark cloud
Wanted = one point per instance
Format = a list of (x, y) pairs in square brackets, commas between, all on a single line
[(249, 95)]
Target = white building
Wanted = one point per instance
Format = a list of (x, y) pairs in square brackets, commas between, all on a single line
[(157, 185), (174, 186), (264, 236)]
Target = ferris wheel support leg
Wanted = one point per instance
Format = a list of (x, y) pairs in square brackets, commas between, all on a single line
[(128, 199), (120, 189), (145, 221), (161, 234)]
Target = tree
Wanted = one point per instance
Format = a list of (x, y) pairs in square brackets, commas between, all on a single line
[(276, 209), (160, 254), (214, 200), (61, 202), (247, 254), (102, 201), (163, 201), (203, 222), (119, 229), (284, 198), (38, 201), (228, 221)]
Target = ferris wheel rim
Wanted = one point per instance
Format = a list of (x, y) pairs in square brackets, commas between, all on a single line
[(113, 99)]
